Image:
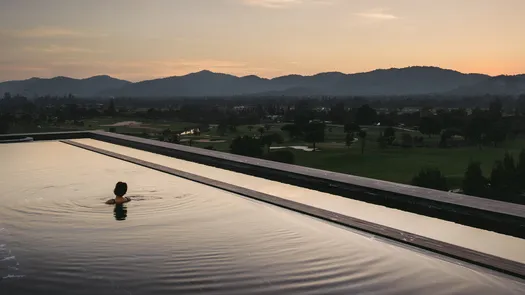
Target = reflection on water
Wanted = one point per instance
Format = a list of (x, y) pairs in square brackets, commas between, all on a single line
[(186, 238), (121, 212)]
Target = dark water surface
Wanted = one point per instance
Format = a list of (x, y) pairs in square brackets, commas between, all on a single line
[(180, 237)]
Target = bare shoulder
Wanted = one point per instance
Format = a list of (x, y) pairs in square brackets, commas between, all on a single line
[(110, 202)]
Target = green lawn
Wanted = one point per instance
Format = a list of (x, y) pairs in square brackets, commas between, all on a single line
[(400, 164), (393, 163)]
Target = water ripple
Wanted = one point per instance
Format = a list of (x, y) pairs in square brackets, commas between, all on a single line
[(178, 237)]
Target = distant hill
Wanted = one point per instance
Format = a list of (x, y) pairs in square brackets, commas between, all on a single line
[(500, 85), (62, 86), (204, 83), (405, 81)]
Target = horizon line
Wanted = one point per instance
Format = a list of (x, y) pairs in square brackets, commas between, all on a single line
[(249, 75)]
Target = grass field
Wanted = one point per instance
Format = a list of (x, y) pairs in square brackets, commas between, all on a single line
[(393, 163)]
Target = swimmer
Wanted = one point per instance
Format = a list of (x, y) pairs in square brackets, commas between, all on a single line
[(121, 188)]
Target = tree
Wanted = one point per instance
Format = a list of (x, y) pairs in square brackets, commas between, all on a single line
[(314, 133), (389, 132), (477, 128), (261, 130), (389, 135), (520, 169), (283, 156), (232, 128), (362, 138), (267, 127), (520, 105), (293, 130), (474, 183), (166, 133), (418, 141), (496, 109), (512, 182), (406, 140), (337, 113), (7, 95), (112, 111), (174, 138), (352, 127), (430, 178), (446, 135), (246, 146), (349, 139), (504, 183), (269, 139), (498, 182), (382, 141), (497, 133), (366, 115), (250, 128), (4, 124), (221, 129), (429, 126)]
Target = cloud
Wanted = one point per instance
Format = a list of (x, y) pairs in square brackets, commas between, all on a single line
[(134, 70), (47, 32), (283, 3), (20, 68), (57, 49), (379, 15), (383, 16)]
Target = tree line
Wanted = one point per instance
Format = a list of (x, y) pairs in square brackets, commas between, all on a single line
[(505, 182)]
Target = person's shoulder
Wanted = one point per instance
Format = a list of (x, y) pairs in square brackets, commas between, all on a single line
[(128, 199), (110, 202)]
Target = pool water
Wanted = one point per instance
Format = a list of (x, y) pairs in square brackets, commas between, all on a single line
[(179, 237)]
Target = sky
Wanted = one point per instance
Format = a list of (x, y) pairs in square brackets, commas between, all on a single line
[(146, 39)]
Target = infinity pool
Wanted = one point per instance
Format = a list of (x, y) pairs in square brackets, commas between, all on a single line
[(178, 237)]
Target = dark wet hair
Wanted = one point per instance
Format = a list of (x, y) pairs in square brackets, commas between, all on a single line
[(121, 188)]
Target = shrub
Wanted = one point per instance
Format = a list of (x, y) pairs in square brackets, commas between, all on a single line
[(430, 178)]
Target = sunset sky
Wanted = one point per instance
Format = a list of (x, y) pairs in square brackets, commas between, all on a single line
[(145, 39)]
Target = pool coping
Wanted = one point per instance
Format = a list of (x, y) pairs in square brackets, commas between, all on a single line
[(501, 217), (491, 262)]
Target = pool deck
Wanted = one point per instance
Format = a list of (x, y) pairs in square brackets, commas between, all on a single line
[(486, 232)]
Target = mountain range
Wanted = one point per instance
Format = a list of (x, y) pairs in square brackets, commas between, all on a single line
[(404, 81)]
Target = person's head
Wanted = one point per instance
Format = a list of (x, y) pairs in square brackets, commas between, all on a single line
[(121, 188)]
